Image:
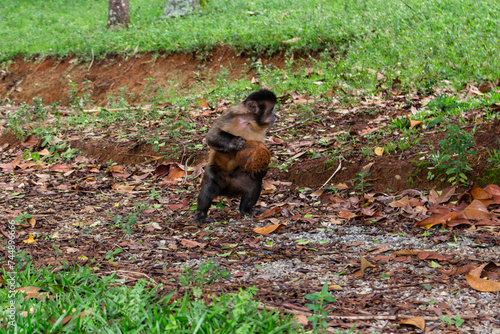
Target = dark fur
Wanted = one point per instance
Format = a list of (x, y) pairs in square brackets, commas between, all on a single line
[(249, 120)]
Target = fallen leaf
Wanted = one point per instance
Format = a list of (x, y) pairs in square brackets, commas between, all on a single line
[(269, 213), (446, 195), (346, 214), (123, 188), (437, 220), (192, 244), (480, 284), (202, 103), (364, 265), (379, 151), (301, 319), (476, 211), (60, 168), (405, 252), (486, 87), (29, 240), (270, 228), (30, 142), (418, 322)]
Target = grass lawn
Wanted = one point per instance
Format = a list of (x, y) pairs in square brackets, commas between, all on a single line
[(415, 40)]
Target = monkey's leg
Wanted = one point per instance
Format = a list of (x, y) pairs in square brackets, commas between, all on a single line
[(250, 195), (210, 189)]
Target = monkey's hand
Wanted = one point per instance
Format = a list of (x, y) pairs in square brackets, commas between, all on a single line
[(259, 174), (236, 144)]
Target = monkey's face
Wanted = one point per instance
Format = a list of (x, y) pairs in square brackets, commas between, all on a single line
[(268, 116), (263, 112)]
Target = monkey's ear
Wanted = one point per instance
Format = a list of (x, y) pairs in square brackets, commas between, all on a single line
[(253, 107)]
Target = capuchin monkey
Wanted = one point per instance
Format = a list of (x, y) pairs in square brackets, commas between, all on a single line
[(249, 120)]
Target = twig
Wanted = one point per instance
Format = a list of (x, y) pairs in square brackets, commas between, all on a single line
[(223, 53), (135, 57), (336, 171), (369, 317), (112, 110), (292, 126), (407, 5), (92, 60)]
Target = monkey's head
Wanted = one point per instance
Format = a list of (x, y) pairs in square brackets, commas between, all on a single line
[(261, 105)]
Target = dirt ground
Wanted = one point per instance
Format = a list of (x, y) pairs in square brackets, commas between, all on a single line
[(135, 218)]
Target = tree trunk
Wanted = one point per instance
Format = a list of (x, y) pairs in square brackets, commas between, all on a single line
[(118, 14), (174, 8)]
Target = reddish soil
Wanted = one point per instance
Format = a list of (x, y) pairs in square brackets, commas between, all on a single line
[(48, 77)]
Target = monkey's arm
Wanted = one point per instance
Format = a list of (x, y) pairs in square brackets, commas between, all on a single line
[(223, 141)]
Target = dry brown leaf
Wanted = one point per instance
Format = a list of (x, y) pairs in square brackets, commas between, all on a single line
[(400, 203), (405, 252), (192, 244), (476, 211), (341, 186), (176, 173), (491, 270), (32, 222), (428, 255), (301, 319), (268, 187), (364, 265), (346, 214), (28, 289), (480, 284), (32, 141), (120, 187), (446, 195), (438, 220), (44, 152), (480, 193), (459, 270), (270, 228), (183, 204), (116, 169), (269, 213), (60, 168), (433, 196), (418, 322), (202, 103), (276, 140), (413, 123), (493, 189), (486, 87)]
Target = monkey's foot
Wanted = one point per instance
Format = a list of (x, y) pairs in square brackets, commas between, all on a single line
[(200, 217)]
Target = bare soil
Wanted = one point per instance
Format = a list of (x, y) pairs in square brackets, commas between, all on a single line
[(83, 207), (47, 77)]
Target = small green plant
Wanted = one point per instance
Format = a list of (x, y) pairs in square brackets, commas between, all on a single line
[(154, 194), (360, 182), (125, 222), (207, 274), (494, 158), (110, 255), (452, 159), (80, 97), (318, 307), (456, 320), (400, 123)]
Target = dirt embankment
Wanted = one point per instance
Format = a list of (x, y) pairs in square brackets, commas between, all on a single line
[(49, 78)]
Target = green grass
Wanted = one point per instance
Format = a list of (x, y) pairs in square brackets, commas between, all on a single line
[(105, 305), (435, 40)]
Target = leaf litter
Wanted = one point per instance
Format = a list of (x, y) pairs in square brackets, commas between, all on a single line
[(405, 256)]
